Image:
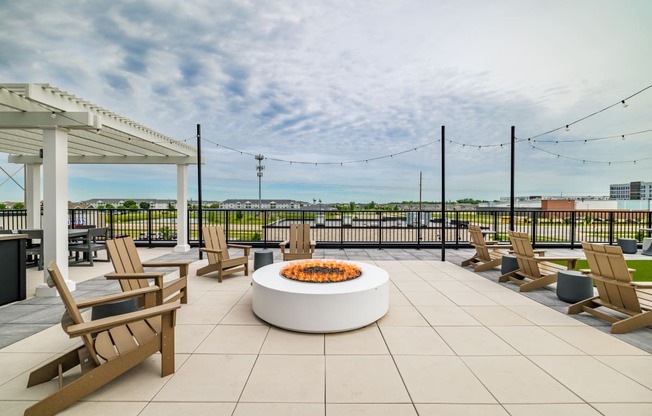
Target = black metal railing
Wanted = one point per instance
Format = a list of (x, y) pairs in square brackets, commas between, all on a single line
[(409, 229)]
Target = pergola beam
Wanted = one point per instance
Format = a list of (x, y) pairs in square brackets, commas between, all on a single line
[(43, 119), (111, 160)]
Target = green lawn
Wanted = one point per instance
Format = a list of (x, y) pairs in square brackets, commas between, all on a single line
[(643, 268)]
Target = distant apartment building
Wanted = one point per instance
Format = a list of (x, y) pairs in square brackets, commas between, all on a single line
[(264, 204), (634, 191)]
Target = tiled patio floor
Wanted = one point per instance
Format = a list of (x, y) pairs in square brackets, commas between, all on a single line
[(453, 343)]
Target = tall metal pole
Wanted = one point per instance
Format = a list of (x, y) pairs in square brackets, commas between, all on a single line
[(443, 193), (511, 181), (259, 172), (199, 215)]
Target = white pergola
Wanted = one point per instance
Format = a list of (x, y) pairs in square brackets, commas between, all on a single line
[(41, 125)]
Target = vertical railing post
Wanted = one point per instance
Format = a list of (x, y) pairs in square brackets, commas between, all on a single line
[(150, 229), (264, 229), (533, 216), (573, 219), (380, 229), (611, 227)]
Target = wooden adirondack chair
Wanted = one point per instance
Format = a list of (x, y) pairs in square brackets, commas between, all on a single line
[(110, 346), (219, 259), (616, 290), (131, 271), (299, 246), (487, 253), (539, 270)]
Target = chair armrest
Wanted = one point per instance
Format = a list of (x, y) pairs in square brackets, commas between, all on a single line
[(283, 244), (87, 303), (117, 320), (540, 252), (182, 265), (167, 263), (242, 246), (642, 285), (145, 275), (220, 253), (557, 258), (158, 277)]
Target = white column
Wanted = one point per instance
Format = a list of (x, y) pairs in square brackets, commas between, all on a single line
[(182, 210), (55, 205), (33, 195)]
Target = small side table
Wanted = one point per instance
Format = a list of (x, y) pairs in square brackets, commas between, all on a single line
[(573, 286), (508, 264), (628, 245), (263, 258)]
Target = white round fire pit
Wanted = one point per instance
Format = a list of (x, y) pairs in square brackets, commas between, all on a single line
[(320, 307)]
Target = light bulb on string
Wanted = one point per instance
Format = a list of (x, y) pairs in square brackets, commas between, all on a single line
[(567, 127), (624, 104)]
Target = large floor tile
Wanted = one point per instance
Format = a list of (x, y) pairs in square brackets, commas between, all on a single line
[(286, 378), (638, 368), (208, 378), (474, 340), (389, 409), (515, 379), (363, 379), (622, 409), (279, 409), (414, 340), (551, 410), (447, 316), (593, 341), (201, 314), (280, 341), (427, 298), (441, 379), (461, 410), (534, 340), (194, 409), (188, 337), (242, 315), (402, 316), (234, 339), (541, 315), (15, 363), (496, 315), (593, 380), (367, 340)]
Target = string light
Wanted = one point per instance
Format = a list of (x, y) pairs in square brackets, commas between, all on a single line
[(625, 105), (584, 161), (341, 163)]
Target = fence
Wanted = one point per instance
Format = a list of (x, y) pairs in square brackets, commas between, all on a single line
[(345, 229)]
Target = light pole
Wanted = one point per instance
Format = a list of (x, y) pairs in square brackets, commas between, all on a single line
[(259, 171)]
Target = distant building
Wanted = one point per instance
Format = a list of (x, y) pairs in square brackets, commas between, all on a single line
[(634, 191), (265, 204), (116, 202)]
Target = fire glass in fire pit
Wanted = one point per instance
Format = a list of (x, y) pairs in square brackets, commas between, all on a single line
[(321, 271)]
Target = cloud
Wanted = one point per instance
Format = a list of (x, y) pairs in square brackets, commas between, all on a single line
[(336, 81)]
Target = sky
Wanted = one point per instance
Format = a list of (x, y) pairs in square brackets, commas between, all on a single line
[(347, 99)]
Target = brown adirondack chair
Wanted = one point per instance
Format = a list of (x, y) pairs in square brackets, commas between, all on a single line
[(110, 346), (130, 271), (616, 290), (299, 246), (219, 259), (539, 270), (487, 253)]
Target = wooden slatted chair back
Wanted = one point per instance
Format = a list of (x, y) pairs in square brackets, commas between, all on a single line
[(524, 254), (299, 238), (611, 276), (125, 259), (72, 315), (478, 241), (215, 239)]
